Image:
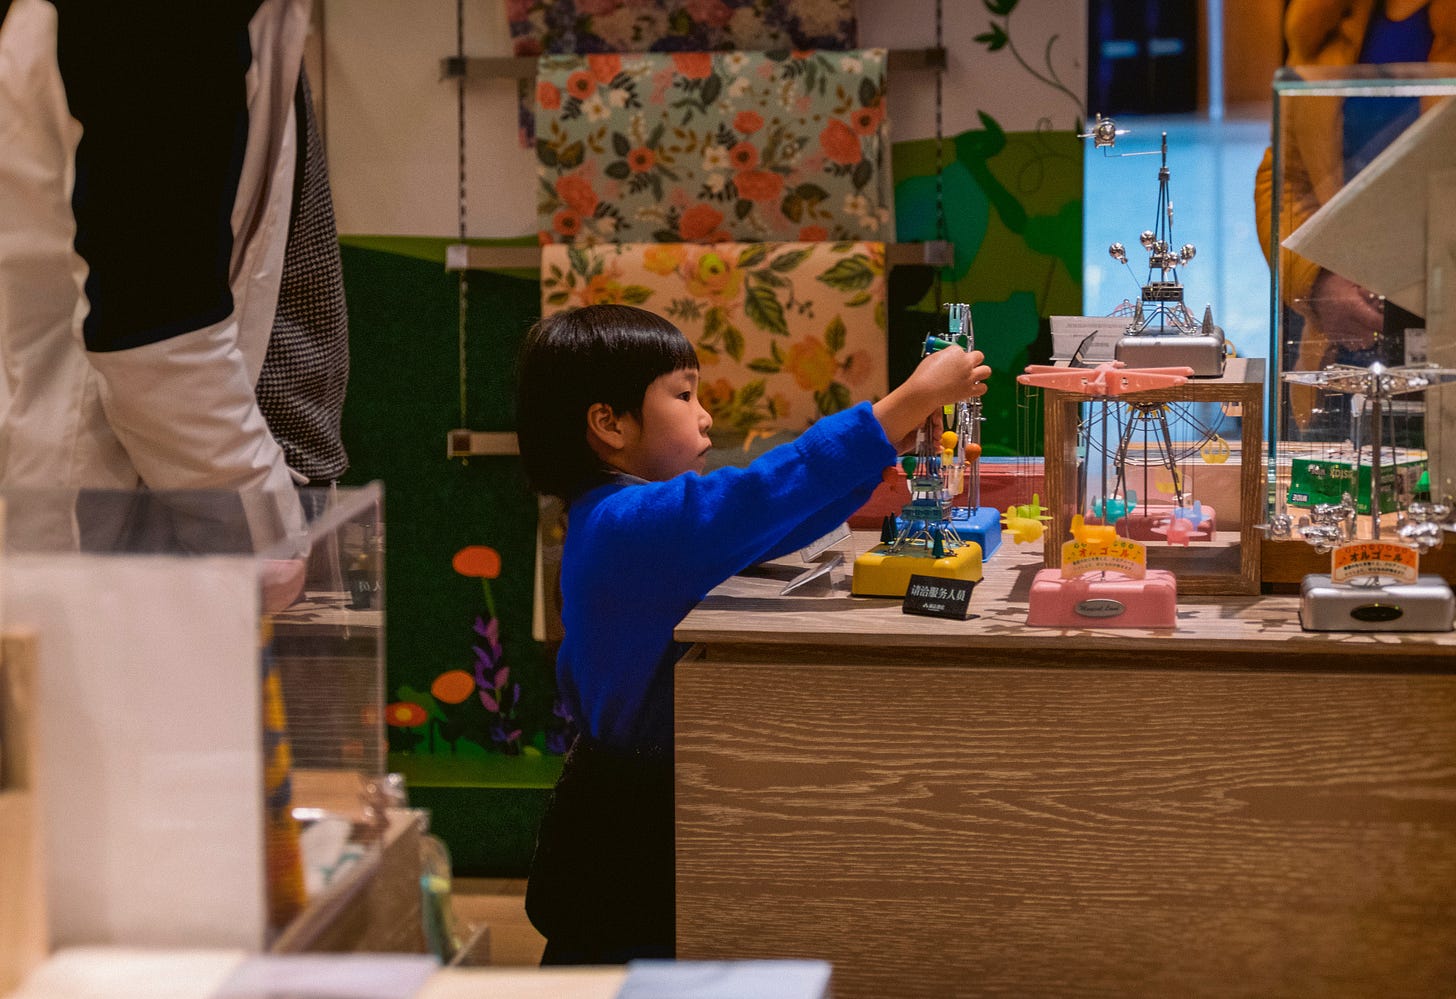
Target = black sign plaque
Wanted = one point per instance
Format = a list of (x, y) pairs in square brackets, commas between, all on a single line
[(936, 596)]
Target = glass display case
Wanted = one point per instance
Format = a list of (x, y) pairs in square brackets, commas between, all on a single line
[(1363, 211), (208, 664)]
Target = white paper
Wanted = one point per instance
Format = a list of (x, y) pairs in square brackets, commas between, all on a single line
[(1375, 230), (329, 976), (124, 973), (149, 730), (726, 980)]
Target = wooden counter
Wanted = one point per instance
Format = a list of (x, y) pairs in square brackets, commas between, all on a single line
[(946, 808)]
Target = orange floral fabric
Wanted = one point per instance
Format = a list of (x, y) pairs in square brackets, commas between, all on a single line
[(711, 147)]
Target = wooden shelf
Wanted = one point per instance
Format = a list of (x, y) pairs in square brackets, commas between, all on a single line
[(480, 443), (524, 67), (24, 934), (462, 257)]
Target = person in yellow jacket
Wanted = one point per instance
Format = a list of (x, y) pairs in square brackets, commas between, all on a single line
[(1327, 142)]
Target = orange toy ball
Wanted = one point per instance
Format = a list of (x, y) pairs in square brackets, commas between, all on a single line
[(973, 451)]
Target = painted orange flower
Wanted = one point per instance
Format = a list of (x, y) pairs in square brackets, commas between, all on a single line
[(713, 13), (709, 274), (758, 185), (715, 394), (693, 65), (405, 714), (604, 66), (603, 289), (580, 85), (699, 222), (576, 191), (813, 234), (548, 96), (865, 121), (453, 687), (477, 561), (811, 363), (566, 223), (743, 156), (840, 143), (663, 258), (747, 122), (641, 159)]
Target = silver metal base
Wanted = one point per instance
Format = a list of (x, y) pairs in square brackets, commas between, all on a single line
[(1204, 352), (1425, 605)]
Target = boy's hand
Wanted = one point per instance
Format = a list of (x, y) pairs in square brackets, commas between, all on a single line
[(944, 377), (948, 376)]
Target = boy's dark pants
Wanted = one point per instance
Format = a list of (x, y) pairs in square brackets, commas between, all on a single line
[(601, 887)]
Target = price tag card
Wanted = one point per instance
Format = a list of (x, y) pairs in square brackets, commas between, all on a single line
[(936, 596), (815, 548), (1378, 559), (1121, 555)]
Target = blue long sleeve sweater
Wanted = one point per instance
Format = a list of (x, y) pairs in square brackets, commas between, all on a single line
[(638, 556)]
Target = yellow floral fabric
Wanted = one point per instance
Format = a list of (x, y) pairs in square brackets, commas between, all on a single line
[(785, 332)]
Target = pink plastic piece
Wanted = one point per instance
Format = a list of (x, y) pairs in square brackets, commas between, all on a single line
[(1097, 601), (1110, 378), (1156, 522), (1179, 531)]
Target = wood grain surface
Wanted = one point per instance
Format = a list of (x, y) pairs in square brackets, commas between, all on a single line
[(1231, 808), (24, 936), (941, 831)]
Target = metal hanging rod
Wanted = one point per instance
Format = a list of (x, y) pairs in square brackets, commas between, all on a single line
[(524, 67), (462, 257)]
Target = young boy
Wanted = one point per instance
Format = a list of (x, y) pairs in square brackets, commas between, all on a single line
[(609, 421)]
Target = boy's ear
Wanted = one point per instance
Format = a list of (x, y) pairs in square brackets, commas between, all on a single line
[(604, 428)]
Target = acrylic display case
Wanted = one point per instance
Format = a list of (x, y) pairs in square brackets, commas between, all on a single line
[(207, 664), (1363, 192), (1190, 453)]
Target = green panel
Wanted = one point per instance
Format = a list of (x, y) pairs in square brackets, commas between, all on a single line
[(1012, 204), (490, 831), (403, 398)]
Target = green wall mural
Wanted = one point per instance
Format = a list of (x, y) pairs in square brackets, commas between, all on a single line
[(1013, 210), (471, 695)]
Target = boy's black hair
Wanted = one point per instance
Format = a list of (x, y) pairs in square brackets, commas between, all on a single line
[(573, 360)]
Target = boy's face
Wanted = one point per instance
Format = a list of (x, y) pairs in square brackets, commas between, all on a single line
[(672, 435)]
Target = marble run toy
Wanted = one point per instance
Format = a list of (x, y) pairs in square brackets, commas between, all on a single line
[(928, 537)]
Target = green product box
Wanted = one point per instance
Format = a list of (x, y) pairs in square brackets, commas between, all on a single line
[(1324, 480)]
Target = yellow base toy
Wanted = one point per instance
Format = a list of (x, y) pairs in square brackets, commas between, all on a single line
[(881, 572)]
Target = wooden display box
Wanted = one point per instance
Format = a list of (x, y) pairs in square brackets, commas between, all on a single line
[(23, 943), (1229, 563)]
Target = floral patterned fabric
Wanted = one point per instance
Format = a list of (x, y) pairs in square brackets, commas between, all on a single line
[(581, 26), (785, 333), (704, 147)]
